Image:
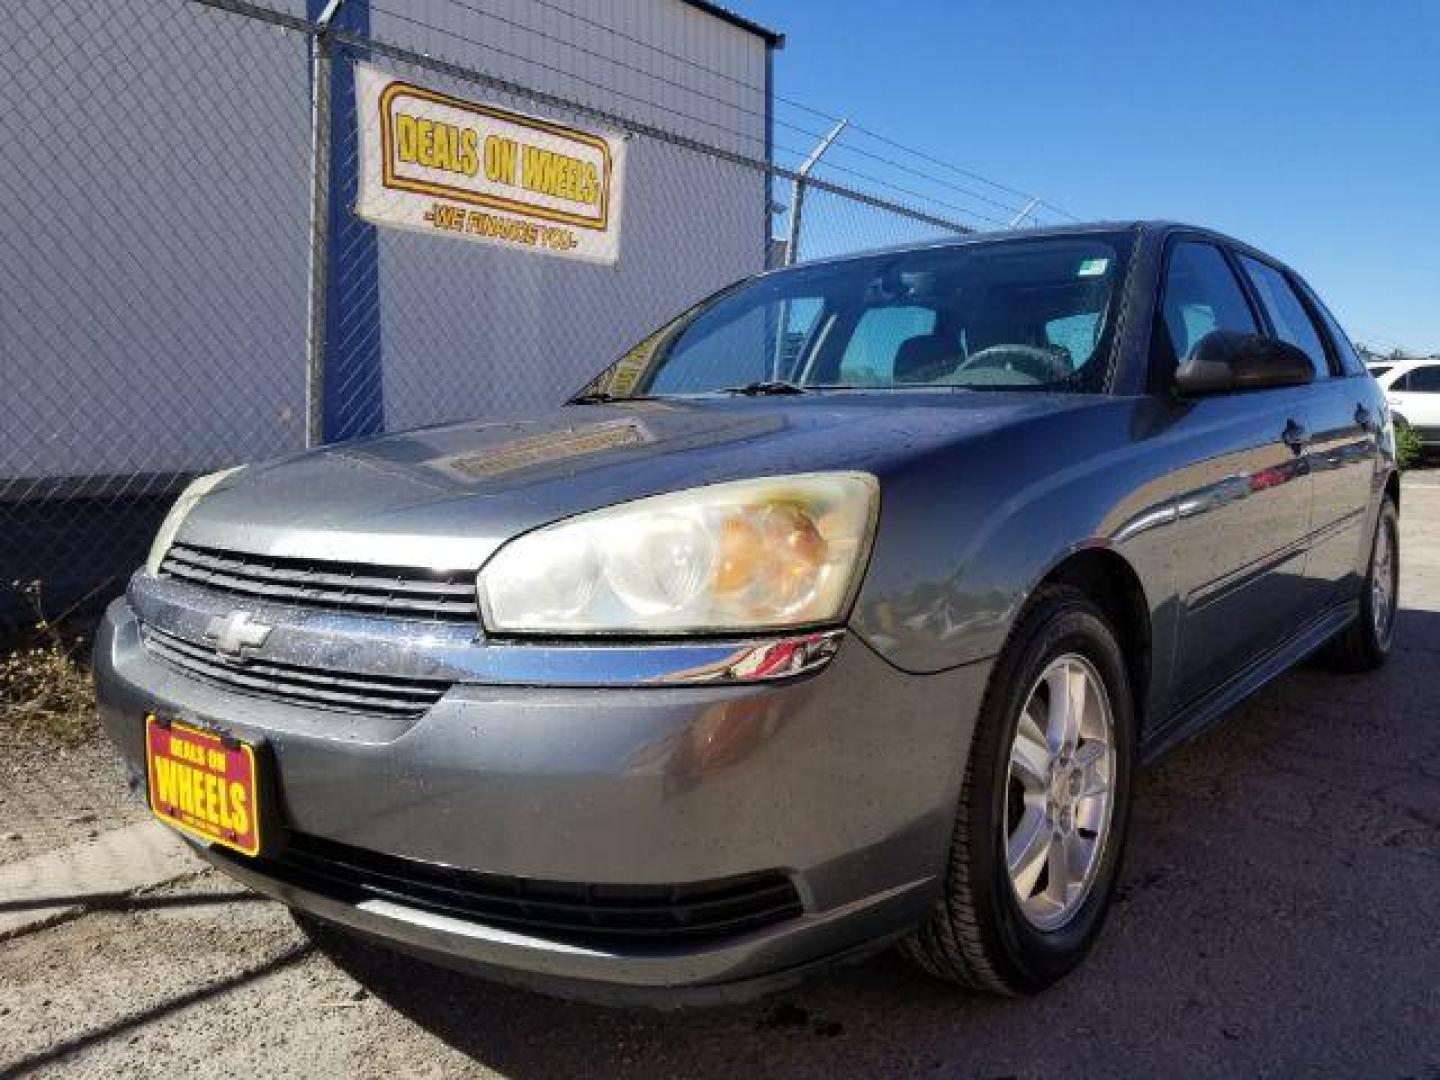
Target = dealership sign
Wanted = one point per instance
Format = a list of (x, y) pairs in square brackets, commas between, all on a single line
[(436, 163)]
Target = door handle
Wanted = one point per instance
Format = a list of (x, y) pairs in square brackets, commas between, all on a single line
[(1364, 417), (1295, 435)]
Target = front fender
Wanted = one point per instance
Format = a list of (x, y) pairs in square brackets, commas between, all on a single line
[(968, 533)]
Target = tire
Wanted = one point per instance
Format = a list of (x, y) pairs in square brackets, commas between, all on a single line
[(979, 935), (1365, 644)]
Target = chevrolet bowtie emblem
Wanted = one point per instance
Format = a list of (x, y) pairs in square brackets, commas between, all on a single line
[(234, 633)]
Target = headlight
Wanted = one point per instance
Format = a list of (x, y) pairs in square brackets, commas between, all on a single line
[(196, 490), (765, 554)]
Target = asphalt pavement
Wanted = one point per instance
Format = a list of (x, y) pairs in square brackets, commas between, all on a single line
[(1279, 915)]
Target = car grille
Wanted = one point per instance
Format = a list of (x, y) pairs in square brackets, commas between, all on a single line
[(294, 684), (577, 912), (336, 586)]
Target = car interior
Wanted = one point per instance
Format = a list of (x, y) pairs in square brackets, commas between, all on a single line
[(1021, 315), (1021, 321)]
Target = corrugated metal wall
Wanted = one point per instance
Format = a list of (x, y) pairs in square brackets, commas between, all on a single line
[(155, 242), (467, 330), (610, 54), (154, 239)]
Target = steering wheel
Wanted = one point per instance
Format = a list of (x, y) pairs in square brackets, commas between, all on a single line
[(1033, 361)]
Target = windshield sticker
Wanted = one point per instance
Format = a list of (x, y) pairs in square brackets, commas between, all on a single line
[(1092, 267)]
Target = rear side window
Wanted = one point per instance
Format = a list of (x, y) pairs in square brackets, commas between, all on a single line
[(1350, 361), (1201, 295), (1424, 380), (1287, 314)]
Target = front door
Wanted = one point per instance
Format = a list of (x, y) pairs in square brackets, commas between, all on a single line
[(1243, 495)]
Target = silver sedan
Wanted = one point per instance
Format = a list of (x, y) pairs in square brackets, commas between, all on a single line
[(837, 613)]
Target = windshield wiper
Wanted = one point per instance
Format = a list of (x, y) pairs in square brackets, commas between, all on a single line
[(600, 397), (766, 388)]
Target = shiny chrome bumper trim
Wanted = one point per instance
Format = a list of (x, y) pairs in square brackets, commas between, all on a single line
[(356, 644)]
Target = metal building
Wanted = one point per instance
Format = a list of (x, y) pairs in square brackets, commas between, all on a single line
[(156, 256)]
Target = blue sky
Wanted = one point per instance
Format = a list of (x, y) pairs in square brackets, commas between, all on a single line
[(1310, 129)]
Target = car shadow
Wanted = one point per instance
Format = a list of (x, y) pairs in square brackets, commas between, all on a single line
[(57, 1052), (1193, 955)]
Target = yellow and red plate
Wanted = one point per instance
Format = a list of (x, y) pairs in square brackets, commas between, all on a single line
[(203, 783)]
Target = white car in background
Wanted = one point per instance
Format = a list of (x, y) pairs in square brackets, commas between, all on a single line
[(1412, 387)]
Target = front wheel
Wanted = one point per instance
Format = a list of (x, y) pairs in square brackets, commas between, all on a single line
[(1042, 819)]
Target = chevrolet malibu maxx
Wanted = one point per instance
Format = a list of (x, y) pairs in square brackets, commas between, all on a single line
[(838, 613)]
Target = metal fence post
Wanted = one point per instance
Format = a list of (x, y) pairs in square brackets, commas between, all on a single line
[(1019, 219), (320, 55), (792, 241), (797, 190)]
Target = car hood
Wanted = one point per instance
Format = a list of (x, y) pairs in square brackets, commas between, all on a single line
[(447, 497)]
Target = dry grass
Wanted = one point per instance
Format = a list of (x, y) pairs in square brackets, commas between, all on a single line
[(45, 686)]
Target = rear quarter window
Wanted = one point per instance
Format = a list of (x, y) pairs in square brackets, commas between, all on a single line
[(1350, 361)]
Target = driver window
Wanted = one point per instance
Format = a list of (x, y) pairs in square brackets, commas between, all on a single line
[(1201, 295), (869, 358)]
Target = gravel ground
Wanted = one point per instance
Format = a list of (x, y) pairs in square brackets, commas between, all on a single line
[(1277, 917), (54, 796)]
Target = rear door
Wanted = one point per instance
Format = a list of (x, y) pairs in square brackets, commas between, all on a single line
[(1242, 491), (1345, 424)]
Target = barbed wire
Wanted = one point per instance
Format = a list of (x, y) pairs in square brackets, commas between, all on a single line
[(704, 122), (839, 147)]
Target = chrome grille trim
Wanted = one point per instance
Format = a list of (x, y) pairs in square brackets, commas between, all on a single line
[(295, 684), (366, 589)]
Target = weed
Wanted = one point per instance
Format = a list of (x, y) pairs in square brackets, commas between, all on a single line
[(45, 684), (1408, 448)]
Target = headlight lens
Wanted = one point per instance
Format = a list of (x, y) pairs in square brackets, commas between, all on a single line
[(765, 554), (196, 490)]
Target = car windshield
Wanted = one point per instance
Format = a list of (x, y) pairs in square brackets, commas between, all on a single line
[(1016, 314)]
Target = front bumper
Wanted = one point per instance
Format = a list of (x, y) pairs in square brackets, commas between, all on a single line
[(844, 780)]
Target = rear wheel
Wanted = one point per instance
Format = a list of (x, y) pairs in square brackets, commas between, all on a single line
[(1041, 825), (1365, 644)]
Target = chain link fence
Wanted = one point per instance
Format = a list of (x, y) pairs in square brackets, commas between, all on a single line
[(184, 284)]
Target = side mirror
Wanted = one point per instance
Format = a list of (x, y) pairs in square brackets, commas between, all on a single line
[(1224, 360)]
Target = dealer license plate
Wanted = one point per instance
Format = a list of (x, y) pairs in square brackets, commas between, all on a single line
[(204, 784)]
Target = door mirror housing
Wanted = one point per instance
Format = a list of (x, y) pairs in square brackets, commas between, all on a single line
[(1225, 360)]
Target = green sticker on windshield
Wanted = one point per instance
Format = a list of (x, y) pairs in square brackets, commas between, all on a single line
[(1092, 267)]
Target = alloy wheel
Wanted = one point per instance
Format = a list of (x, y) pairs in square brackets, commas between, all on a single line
[(1059, 795), (1383, 582)]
